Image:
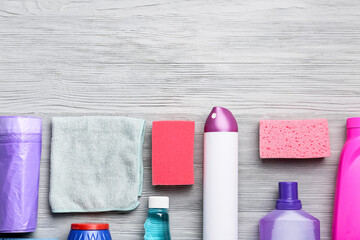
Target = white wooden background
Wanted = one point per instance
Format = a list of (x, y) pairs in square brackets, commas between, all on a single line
[(165, 60)]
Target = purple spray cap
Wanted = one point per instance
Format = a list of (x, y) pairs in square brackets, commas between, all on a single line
[(288, 196), (220, 120)]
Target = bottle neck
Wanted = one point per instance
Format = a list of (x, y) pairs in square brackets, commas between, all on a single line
[(158, 210), (294, 205), (352, 133), (288, 196)]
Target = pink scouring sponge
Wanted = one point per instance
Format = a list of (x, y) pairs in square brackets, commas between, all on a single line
[(173, 152), (294, 138)]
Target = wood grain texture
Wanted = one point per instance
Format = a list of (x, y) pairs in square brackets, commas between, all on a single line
[(164, 60)]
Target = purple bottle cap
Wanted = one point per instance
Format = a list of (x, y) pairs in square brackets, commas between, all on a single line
[(288, 196), (220, 120)]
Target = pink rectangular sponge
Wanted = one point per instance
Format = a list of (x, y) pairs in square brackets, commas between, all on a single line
[(294, 138), (173, 152)]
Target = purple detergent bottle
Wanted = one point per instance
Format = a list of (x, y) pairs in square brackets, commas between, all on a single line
[(288, 221)]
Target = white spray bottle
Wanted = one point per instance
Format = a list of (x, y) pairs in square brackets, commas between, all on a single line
[(220, 215)]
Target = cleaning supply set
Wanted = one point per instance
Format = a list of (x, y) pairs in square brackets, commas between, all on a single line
[(96, 166)]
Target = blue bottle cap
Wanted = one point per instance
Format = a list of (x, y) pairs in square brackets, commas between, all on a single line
[(288, 196)]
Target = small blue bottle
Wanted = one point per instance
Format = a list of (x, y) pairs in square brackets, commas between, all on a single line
[(157, 222)]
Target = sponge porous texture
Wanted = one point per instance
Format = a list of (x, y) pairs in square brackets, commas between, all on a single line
[(294, 138)]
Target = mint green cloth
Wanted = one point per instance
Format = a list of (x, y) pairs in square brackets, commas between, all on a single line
[(96, 163)]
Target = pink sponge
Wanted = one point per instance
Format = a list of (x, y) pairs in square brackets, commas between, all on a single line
[(173, 152), (294, 138)]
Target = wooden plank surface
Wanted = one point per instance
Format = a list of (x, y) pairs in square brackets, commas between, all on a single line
[(165, 60)]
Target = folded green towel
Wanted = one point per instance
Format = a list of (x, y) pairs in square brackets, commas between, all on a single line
[(96, 163)]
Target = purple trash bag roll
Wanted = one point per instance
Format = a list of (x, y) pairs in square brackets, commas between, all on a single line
[(20, 153)]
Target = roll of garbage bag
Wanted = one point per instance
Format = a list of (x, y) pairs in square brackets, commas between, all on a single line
[(20, 153)]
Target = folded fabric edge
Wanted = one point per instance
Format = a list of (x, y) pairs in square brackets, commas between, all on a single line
[(63, 121), (140, 157), (97, 210)]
